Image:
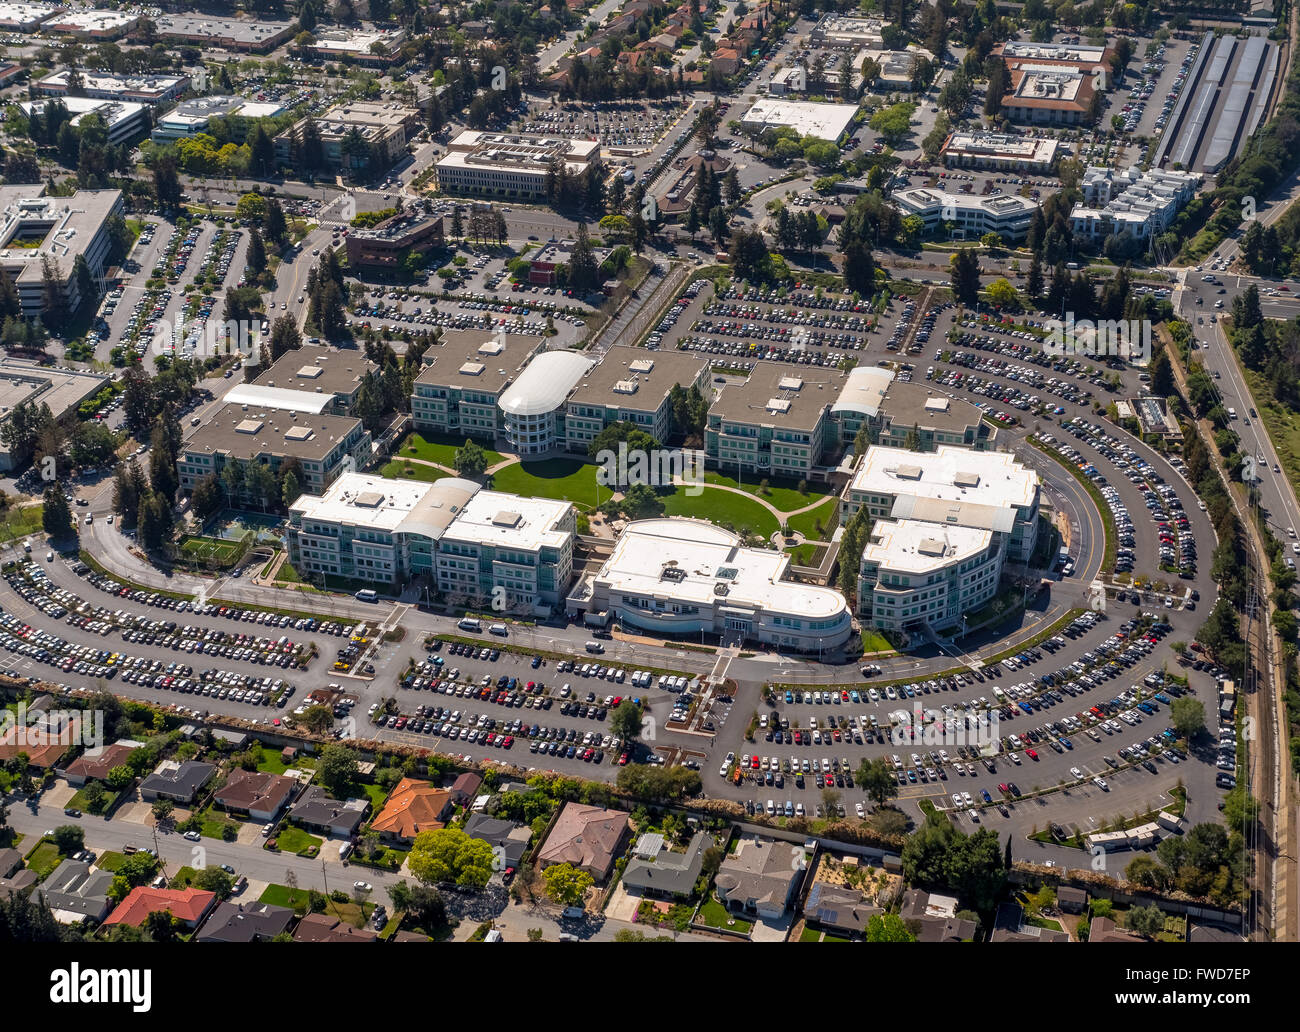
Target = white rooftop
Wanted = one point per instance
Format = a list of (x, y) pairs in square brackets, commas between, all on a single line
[(708, 557), (988, 478), (913, 546), (864, 391), (823, 121), (545, 383), (510, 520), (281, 398)]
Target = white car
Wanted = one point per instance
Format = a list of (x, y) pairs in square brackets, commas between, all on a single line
[(862, 812), (1076, 772), (1101, 783), (1014, 758), (361, 886)]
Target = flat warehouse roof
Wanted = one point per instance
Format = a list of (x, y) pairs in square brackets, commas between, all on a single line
[(317, 369), (823, 121), (267, 431)]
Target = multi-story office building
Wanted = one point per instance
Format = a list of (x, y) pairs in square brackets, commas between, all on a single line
[(898, 413), (969, 215), (314, 369), (1143, 204), (511, 165), (356, 135), (684, 577), (241, 35), (385, 246), (777, 423), (35, 230), (125, 120), (949, 487), (472, 543), (324, 446), (465, 374), (142, 89), (193, 116), (630, 385), (1003, 151)]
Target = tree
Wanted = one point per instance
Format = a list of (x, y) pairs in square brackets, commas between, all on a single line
[(162, 809), (876, 777), (1147, 921), (470, 459), (1188, 716), (421, 902), (625, 721), (888, 928), (337, 770), (214, 879), (567, 885), (57, 516), (448, 856), (69, 839), (1004, 295), (120, 777), (251, 208), (965, 276), (641, 501)]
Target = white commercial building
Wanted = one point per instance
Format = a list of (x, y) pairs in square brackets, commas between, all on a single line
[(845, 31), (92, 24), (685, 577), (821, 121), (369, 46), (25, 17), (1143, 203), (950, 486), (510, 165), (193, 116), (971, 215), (146, 89), (124, 119), (533, 405), (471, 543), (1007, 151)]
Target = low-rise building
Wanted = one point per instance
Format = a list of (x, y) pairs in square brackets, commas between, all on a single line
[(807, 118), (193, 116), (512, 166), (934, 917), (314, 370), (356, 136), (906, 414), (758, 878), (967, 216), (1003, 151), (125, 120), (387, 244), (847, 32), (544, 264), (668, 874), (92, 24), (75, 891), (316, 811), (1049, 95), (507, 836), (20, 17), (469, 541), (323, 446), (245, 922), (188, 906), (144, 89), (95, 765), (328, 928), (1142, 204), (684, 577), (24, 383), (36, 231), (364, 46), (240, 35), (838, 909)]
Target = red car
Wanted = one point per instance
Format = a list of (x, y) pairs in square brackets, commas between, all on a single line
[(1031, 754), (753, 762), (1003, 789), (622, 760), (617, 700)]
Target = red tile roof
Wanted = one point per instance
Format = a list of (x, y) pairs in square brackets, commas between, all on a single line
[(187, 905)]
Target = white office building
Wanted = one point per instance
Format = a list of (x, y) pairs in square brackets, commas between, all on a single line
[(533, 406), (1143, 203), (970, 215), (686, 577)]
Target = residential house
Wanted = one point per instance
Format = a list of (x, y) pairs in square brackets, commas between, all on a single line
[(1103, 929), (1071, 900), (189, 906), (838, 909), (326, 928), (588, 837), (507, 836), (96, 765), (75, 891), (317, 812), (245, 922), (668, 875), (465, 788), (413, 807), (176, 781), (1010, 925), (260, 795), (934, 917), (758, 878)]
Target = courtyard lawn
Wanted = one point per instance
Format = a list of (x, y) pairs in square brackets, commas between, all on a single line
[(723, 507), (570, 480), (783, 494), (807, 554), (200, 549), (399, 470), (295, 840), (806, 523), (874, 641), (441, 449)]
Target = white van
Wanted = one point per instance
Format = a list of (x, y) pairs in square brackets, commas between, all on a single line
[(498, 629), (595, 646), (469, 623)]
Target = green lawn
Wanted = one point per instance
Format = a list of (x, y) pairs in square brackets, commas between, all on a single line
[(810, 935), (399, 470), (203, 548), (743, 515), (16, 523), (295, 840), (874, 641), (43, 859), (111, 861), (783, 494), (716, 915), (283, 896), (183, 878), (806, 554), (440, 448), (806, 523), (568, 479), (376, 794), (213, 823)]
